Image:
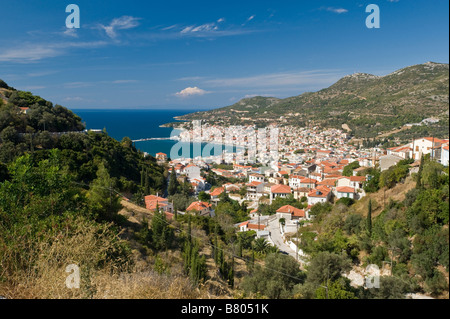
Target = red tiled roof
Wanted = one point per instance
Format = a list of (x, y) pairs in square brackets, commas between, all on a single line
[(217, 191), (256, 226), (280, 189), (291, 210), (254, 183), (328, 182), (358, 178), (308, 181), (320, 191), (345, 189), (198, 206)]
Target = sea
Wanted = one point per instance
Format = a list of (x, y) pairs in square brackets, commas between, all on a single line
[(140, 124)]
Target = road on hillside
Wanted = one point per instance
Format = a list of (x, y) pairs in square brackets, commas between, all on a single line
[(277, 238)]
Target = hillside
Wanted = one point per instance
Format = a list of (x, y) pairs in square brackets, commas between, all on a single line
[(30, 124), (368, 104)]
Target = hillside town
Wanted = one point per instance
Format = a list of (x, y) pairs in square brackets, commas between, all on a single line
[(314, 166)]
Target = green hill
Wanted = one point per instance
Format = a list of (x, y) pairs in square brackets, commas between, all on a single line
[(45, 126), (368, 104)]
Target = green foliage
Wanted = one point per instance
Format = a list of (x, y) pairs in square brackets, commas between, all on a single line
[(204, 197), (391, 287), (276, 280), (162, 234), (395, 174), (338, 289), (320, 210), (348, 169), (40, 206), (231, 208), (373, 181), (326, 267), (194, 265), (369, 218), (347, 201), (353, 224), (173, 183), (103, 201), (3, 84)]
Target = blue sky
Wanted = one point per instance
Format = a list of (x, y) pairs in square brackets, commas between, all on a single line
[(207, 54)]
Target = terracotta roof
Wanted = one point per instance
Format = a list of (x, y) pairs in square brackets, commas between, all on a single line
[(345, 189), (303, 189), (254, 183), (280, 189), (198, 206), (328, 181), (291, 210), (320, 191), (244, 223), (297, 176), (256, 226), (217, 191), (358, 178), (308, 181)]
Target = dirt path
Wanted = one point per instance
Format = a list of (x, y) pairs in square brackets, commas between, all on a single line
[(394, 131)]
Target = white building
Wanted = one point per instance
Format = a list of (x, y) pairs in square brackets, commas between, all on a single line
[(345, 192), (256, 178), (444, 155), (192, 171)]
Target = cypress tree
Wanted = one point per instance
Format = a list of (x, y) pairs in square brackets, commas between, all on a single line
[(369, 218), (189, 229), (419, 183)]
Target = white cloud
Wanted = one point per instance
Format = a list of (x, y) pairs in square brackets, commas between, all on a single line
[(29, 53), (336, 10), (122, 23), (75, 98), (207, 27), (123, 81), (71, 33), (191, 91), (33, 87), (169, 27), (221, 20), (251, 18), (306, 78)]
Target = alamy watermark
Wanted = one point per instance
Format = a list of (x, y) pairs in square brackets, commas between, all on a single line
[(373, 20), (240, 144), (73, 280), (73, 19)]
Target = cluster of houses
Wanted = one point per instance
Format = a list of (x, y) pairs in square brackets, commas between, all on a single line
[(315, 179), (435, 147)]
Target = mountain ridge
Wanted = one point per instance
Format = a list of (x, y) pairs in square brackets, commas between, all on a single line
[(359, 100)]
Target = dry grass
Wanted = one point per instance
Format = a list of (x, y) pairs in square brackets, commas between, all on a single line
[(396, 193), (87, 247)]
